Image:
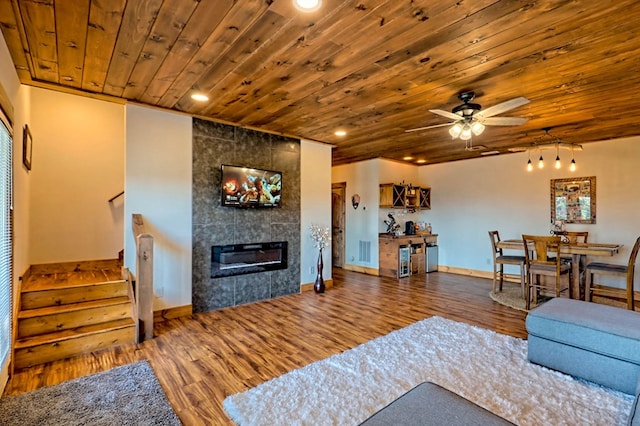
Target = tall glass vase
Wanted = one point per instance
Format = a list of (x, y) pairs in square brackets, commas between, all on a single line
[(318, 287)]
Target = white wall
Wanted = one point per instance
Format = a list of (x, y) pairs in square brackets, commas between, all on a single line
[(158, 186), (315, 205), (475, 196), (19, 98), (77, 166), (361, 224)]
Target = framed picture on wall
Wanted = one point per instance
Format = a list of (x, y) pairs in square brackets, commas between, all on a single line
[(27, 147), (573, 200)]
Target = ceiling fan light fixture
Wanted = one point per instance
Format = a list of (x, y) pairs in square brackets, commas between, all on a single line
[(455, 130), (477, 128), (465, 134)]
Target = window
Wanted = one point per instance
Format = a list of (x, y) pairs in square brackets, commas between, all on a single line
[(5, 241)]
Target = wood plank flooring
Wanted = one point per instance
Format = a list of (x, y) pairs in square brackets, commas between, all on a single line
[(203, 358)]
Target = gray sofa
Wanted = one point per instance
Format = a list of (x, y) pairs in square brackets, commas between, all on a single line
[(595, 342)]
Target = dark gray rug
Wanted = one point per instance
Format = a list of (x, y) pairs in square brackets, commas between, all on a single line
[(127, 395)]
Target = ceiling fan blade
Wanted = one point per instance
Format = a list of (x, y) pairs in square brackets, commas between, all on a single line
[(503, 107), (503, 121), (447, 114), (417, 129)]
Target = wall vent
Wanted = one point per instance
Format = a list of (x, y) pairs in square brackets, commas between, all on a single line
[(364, 254)]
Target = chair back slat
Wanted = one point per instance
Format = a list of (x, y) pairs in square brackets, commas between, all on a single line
[(495, 239), (634, 255), (541, 245), (574, 237)]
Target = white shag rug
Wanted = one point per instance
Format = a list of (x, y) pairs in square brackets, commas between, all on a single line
[(487, 368)]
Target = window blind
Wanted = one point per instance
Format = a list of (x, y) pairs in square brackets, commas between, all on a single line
[(6, 256)]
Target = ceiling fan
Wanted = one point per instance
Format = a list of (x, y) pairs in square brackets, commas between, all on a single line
[(469, 118)]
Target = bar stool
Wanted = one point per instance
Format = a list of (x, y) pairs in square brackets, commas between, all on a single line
[(500, 259), (628, 270)]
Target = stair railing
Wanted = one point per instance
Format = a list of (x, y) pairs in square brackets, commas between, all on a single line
[(141, 287)]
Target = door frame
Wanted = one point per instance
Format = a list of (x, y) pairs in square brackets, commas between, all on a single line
[(341, 189)]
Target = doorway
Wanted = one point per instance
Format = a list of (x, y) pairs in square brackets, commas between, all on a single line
[(338, 191)]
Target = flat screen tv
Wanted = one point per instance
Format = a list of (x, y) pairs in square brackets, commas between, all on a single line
[(247, 187)]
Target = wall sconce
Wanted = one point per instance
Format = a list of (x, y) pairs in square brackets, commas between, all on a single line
[(355, 201)]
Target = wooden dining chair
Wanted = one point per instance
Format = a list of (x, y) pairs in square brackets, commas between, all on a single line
[(539, 264), (574, 237), (500, 259), (628, 270)]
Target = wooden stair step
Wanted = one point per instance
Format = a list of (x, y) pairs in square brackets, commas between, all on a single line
[(67, 343), (72, 294), (85, 330), (53, 318), (74, 307), (59, 280)]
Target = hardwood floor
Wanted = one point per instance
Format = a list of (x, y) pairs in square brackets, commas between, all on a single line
[(201, 359)]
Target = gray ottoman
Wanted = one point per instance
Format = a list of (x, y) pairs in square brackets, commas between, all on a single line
[(595, 342), (430, 404)]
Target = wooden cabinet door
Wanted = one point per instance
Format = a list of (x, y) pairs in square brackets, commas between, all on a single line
[(399, 196), (386, 195), (425, 198)]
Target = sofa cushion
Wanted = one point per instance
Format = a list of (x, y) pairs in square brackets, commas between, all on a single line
[(606, 330)]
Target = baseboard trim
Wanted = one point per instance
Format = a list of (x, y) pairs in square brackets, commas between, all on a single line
[(361, 269), (309, 286), (172, 313), (477, 273)]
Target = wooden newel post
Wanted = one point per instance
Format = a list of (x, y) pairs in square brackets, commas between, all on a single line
[(144, 286)]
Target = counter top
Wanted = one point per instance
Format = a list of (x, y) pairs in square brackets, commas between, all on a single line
[(398, 237)]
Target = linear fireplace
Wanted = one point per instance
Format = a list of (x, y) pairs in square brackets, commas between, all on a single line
[(237, 259)]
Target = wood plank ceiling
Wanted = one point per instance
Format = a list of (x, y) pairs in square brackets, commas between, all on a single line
[(373, 68)]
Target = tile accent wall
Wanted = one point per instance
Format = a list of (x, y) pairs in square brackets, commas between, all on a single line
[(215, 144)]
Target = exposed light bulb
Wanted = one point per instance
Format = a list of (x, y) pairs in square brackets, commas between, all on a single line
[(529, 165), (572, 166), (455, 130), (540, 162), (558, 162), (477, 128)]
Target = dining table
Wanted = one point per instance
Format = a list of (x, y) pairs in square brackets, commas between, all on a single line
[(578, 252)]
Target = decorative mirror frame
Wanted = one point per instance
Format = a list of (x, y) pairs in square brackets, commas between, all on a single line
[(573, 200)]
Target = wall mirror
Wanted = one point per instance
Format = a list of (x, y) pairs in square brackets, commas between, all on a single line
[(573, 200)]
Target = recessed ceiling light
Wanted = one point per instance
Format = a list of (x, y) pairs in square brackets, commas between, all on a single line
[(421, 161), (407, 158), (340, 133), (307, 5), (200, 97)]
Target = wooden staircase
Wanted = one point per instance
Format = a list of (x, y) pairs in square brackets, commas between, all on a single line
[(72, 308)]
